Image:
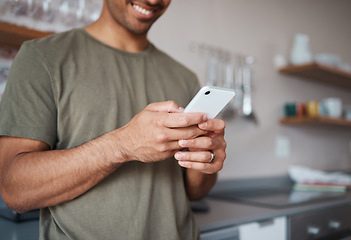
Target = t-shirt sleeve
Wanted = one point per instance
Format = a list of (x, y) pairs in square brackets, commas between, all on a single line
[(27, 108)]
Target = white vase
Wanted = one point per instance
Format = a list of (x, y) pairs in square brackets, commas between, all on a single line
[(300, 52)]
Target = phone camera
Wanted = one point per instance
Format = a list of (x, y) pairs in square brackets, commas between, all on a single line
[(208, 92)]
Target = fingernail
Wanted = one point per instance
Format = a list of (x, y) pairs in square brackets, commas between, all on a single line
[(203, 125), (183, 163), (179, 155), (204, 118), (183, 143), (181, 109)]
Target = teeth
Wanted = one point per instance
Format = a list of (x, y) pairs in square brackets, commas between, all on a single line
[(142, 10)]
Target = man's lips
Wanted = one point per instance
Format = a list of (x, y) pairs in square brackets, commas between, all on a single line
[(144, 12)]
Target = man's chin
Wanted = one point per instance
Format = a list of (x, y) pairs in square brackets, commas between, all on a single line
[(139, 31)]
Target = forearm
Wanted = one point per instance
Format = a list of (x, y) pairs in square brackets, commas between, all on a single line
[(198, 184), (46, 178), (32, 177)]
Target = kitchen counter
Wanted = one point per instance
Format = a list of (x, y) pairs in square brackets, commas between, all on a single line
[(12, 230), (28, 230), (230, 213), (227, 213), (221, 214)]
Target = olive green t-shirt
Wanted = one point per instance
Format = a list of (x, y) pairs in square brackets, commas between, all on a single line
[(70, 88)]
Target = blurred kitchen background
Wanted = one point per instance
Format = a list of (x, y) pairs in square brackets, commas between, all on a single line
[(266, 31), (290, 64)]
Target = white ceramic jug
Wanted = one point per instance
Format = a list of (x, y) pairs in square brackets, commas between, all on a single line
[(300, 52)]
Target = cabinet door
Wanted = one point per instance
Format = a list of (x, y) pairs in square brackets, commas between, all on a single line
[(321, 224), (227, 233), (272, 229)]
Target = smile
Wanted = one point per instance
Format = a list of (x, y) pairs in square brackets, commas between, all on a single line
[(142, 10)]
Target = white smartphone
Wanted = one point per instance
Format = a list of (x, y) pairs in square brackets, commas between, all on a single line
[(210, 100)]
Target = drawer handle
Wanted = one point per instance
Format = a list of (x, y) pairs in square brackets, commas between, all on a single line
[(314, 231), (334, 224)]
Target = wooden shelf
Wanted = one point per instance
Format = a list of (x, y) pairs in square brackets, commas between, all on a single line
[(320, 72), (324, 120), (13, 35)]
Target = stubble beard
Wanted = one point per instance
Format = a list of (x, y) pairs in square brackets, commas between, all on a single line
[(120, 17)]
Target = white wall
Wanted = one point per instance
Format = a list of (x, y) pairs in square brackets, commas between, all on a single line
[(264, 28)]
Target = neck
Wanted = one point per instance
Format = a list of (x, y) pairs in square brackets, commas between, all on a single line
[(106, 30)]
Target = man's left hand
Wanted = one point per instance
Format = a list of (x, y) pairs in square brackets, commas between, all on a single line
[(206, 153)]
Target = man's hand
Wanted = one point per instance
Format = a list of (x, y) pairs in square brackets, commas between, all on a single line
[(199, 156), (153, 134), (161, 130)]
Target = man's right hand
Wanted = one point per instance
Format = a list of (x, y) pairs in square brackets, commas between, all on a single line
[(153, 134)]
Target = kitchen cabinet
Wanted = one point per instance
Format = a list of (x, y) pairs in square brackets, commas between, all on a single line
[(273, 229), (13, 35), (13, 226), (331, 223), (260, 207), (324, 74), (231, 233)]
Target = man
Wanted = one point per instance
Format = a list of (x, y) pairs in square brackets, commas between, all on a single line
[(92, 133)]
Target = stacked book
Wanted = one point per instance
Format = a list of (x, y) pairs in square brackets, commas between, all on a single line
[(312, 180), (321, 187)]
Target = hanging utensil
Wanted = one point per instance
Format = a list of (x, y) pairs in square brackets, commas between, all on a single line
[(247, 108), (229, 110), (212, 71)]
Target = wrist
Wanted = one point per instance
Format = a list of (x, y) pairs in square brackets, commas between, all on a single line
[(115, 146)]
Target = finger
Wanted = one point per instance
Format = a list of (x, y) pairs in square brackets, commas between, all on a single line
[(171, 146), (168, 106), (181, 120), (174, 134), (201, 143), (201, 161), (207, 168), (200, 156), (215, 125)]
